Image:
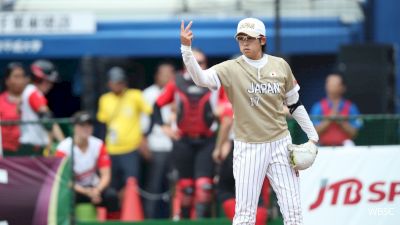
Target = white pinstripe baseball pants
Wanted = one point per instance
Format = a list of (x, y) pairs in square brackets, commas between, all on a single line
[(251, 163)]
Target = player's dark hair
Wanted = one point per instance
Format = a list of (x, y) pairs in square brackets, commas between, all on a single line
[(264, 46), (11, 67)]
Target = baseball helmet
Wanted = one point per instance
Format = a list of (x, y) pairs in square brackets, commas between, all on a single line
[(44, 69)]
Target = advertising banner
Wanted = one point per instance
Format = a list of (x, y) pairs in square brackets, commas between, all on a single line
[(34, 191), (47, 23), (352, 185)]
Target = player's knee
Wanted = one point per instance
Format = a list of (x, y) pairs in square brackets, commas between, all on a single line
[(204, 190), (185, 191)]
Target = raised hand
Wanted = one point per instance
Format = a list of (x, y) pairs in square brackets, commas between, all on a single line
[(186, 34)]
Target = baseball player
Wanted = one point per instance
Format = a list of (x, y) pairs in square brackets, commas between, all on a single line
[(35, 137), (193, 142), (259, 85)]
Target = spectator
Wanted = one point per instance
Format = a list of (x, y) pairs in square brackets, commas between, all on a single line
[(90, 155), (193, 144), (159, 144), (120, 109), (340, 132), (15, 81)]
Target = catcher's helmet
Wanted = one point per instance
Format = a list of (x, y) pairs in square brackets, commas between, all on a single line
[(44, 69)]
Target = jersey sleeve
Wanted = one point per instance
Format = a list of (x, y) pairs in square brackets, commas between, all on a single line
[(101, 113), (225, 104), (37, 100), (222, 70), (167, 96), (104, 160), (60, 154), (291, 85), (63, 149)]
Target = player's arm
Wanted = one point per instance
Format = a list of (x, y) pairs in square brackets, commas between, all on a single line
[(39, 104), (57, 132), (348, 129), (296, 108), (321, 127), (204, 78), (63, 150), (222, 138), (104, 166), (166, 97), (102, 115), (299, 113)]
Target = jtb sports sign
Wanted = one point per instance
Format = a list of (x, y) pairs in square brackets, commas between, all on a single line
[(357, 185)]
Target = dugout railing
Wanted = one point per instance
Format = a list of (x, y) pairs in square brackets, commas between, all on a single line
[(376, 129)]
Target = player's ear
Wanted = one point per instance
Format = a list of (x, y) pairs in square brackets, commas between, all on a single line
[(263, 40)]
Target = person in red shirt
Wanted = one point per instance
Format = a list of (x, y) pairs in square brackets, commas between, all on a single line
[(90, 156), (15, 81), (331, 132)]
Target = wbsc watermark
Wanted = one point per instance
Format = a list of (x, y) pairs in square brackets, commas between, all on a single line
[(382, 211)]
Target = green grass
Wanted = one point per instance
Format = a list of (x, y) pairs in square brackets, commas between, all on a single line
[(219, 221)]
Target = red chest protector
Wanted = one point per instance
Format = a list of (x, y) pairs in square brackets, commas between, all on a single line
[(195, 114), (334, 134)]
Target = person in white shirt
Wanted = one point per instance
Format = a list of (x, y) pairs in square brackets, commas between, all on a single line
[(159, 144), (92, 166), (35, 137)]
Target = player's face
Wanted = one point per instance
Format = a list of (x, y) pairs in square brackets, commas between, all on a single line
[(117, 87), (164, 74), (83, 130), (334, 86), (251, 47), (17, 81)]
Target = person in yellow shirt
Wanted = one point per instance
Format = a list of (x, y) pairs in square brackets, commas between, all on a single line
[(120, 110)]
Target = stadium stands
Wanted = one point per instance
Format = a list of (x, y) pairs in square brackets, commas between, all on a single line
[(347, 10)]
